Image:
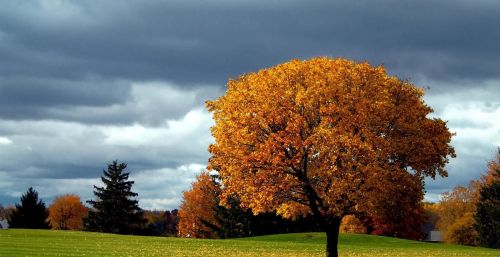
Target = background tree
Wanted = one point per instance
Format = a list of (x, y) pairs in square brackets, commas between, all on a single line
[(432, 213), (351, 224), (487, 217), (491, 175), (171, 219), (203, 216), (456, 211), (3, 216), (397, 211), (6, 211), (155, 225), (31, 213), (161, 223), (196, 211), (115, 210), (234, 221), (67, 212), (462, 230), (317, 136), (231, 220), (3, 212)]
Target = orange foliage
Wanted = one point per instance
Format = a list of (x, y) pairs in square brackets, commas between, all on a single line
[(351, 224), (197, 208), (462, 231), (455, 211), (492, 173), (317, 136), (322, 125), (457, 208), (67, 212), (397, 210)]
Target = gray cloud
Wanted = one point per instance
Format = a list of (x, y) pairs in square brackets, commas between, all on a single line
[(32, 98), (193, 42), (100, 102), (61, 157)]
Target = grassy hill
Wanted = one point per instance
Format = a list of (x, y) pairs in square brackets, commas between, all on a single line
[(18, 242)]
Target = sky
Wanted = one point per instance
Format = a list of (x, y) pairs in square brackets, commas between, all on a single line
[(83, 83)]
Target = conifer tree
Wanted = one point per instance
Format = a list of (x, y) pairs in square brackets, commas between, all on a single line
[(488, 208), (31, 213), (115, 210)]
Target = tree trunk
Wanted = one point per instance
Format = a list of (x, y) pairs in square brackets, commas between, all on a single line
[(332, 237)]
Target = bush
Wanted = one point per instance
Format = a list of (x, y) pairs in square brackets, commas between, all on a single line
[(351, 224), (462, 231)]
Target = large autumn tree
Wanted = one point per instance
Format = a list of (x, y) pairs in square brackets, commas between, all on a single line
[(67, 212), (317, 136)]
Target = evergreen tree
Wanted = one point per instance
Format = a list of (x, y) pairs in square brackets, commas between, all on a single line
[(115, 210), (31, 213), (171, 220), (231, 220), (488, 213)]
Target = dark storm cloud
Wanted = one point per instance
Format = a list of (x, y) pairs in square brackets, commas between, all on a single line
[(190, 42), (58, 54), (94, 101), (31, 97)]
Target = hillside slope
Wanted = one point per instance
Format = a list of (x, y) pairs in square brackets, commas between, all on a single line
[(20, 242)]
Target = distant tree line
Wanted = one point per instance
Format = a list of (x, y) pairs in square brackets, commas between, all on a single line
[(114, 210), (470, 215), (232, 221), (161, 223), (202, 215), (466, 215)]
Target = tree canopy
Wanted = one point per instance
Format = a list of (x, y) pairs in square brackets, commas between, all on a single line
[(115, 210), (317, 136), (456, 210), (487, 217), (396, 210), (67, 212), (196, 212), (31, 213)]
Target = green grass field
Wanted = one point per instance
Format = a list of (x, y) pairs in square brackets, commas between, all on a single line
[(17, 242)]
